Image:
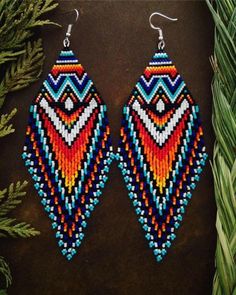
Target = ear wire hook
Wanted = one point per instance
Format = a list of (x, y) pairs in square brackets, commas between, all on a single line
[(66, 41), (161, 43)]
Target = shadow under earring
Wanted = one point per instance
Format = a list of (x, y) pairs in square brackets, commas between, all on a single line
[(161, 149), (68, 147)]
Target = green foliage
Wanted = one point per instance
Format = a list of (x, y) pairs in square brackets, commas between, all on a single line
[(17, 19), (6, 128), (224, 157), (25, 70), (9, 199), (9, 227), (5, 271), (21, 61)]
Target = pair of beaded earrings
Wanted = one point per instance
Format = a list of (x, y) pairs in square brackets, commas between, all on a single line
[(68, 148)]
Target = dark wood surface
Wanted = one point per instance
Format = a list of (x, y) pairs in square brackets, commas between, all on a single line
[(114, 43)]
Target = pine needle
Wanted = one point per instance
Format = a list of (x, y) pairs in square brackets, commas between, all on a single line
[(6, 128), (26, 70), (6, 273), (9, 227), (17, 18), (224, 155), (11, 197), (21, 61)]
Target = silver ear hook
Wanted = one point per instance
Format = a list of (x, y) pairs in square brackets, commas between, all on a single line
[(66, 41), (161, 43)]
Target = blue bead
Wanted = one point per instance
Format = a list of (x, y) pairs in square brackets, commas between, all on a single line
[(141, 220), (189, 195), (180, 217), (199, 170), (172, 236), (84, 223), (182, 210), (145, 227), (47, 208), (87, 213), (91, 207), (148, 236), (44, 202), (131, 195), (193, 185), (99, 192), (151, 244), (96, 201), (135, 203), (138, 210), (196, 177), (163, 252), (176, 225), (69, 256), (168, 244), (24, 156), (77, 243)]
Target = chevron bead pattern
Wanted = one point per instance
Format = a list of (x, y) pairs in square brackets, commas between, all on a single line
[(68, 149), (161, 150)]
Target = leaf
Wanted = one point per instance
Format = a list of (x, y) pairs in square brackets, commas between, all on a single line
[(5, 271), (9, 227), (9, 55), (224, 155), (21, 63), (6, 128), (26, 70), (18, 17), (11, 197)]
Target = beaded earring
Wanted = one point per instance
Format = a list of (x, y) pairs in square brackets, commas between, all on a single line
[(161, 149), (68, 148)]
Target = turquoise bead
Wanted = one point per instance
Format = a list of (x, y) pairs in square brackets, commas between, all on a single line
[(84, 223), (148, 236), (77, 243), (151, 244), (168, 244), (69, 256)]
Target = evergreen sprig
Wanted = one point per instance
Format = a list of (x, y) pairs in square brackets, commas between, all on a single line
[(6, 128), (9, 227), (21, 61), (24, 71), (17, 18), (9, 199), (6, 273), (224, 154)]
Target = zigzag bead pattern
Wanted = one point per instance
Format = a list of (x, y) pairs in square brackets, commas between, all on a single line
[(68, 149), (161, 150)]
